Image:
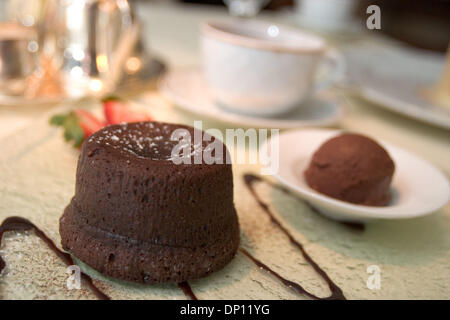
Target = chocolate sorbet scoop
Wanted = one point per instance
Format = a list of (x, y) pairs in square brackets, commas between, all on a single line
[(353, 168)]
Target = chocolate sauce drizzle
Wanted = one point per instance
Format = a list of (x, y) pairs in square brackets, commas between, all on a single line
[(336, 292), (19, 224), (293, 285), (187, 290)]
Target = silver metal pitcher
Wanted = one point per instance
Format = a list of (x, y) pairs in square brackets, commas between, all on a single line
[(89, 42)]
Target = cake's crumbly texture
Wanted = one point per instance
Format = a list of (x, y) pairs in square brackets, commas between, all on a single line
[(352, 168), (139, 217)]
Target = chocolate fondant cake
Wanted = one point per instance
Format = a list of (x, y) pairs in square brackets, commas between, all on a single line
[(352, 168), (138, 216)]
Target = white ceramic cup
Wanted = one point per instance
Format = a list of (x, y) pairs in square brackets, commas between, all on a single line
[(259, 68)]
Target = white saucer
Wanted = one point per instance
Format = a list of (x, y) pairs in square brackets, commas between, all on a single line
[(398, 81), (187, 89), (418, 187)]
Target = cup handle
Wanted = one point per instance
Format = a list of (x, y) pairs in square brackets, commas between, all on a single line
[(333, 66)]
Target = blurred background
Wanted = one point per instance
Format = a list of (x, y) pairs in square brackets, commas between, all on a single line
[(70, 49), (421, 23)]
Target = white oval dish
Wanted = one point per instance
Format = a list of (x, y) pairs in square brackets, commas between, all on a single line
[(418, 187)]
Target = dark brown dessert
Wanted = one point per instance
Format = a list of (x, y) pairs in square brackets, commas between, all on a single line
[(138, 216), (352, 168)]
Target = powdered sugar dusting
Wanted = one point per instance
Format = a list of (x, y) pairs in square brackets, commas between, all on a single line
[(149, 140)]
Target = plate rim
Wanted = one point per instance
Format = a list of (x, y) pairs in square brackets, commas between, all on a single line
[(393, 104)]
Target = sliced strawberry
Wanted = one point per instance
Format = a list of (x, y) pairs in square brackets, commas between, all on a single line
[(88, 122), (117, 111)]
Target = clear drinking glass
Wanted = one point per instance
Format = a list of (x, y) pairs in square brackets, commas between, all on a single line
[(245, 8), (18, 49), (82, 45)]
